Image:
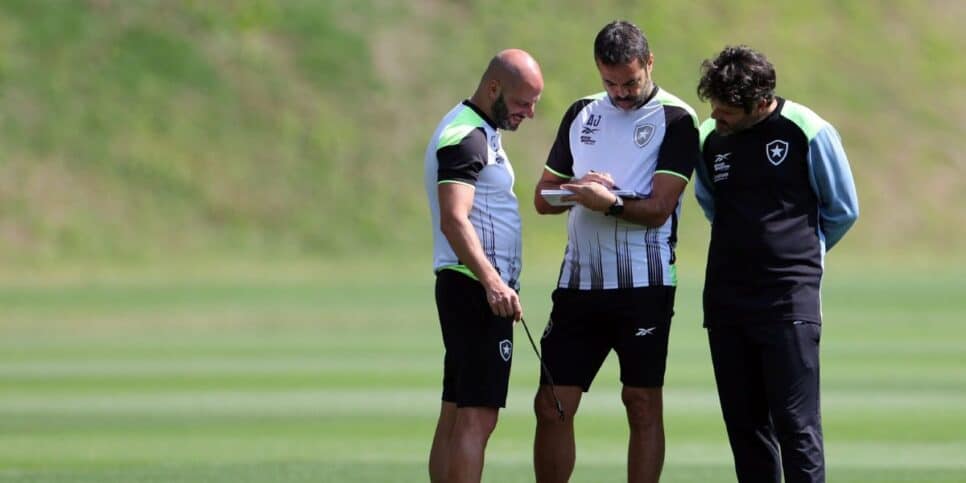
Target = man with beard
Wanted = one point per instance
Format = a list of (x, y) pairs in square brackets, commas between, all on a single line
[(476, 257), (776, 185), (617, 281)]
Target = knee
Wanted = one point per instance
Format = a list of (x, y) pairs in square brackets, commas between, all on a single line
[(792, 425), (644, 407), (545, 409), (477, 421)]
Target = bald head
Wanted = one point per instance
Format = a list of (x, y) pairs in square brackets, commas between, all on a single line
[(512, 66), (510, 88)]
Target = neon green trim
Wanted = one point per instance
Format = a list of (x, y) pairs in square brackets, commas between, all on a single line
[(672, 173), (674, 275), (452, 181), (464, 123), (557, 173), (804, 118), (461, 269), (668, 99), (706, 127)]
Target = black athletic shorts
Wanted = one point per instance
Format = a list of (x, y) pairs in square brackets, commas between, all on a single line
[(479, 344), (585, 325)]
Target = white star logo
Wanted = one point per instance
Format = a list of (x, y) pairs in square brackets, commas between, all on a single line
[(506, 349), (776, 151)]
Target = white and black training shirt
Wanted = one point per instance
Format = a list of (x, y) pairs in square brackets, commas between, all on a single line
[(466, 149), (661, 136)]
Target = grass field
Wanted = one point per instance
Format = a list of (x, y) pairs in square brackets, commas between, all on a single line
[(331, 373)]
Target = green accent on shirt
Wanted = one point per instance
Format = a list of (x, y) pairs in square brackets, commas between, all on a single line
[(674, 275), (804, 118), (668, 99), (706, 127), (451, 181), (461, 269), (673, 173), (557, 173), (464, 123)]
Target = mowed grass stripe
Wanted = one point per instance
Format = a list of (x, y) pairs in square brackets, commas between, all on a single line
[(405, 472), (235, 446), (413, 401), (350, 392), (227, 442)]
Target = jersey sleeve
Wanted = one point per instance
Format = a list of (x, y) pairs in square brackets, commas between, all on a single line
[(462, 161), (561, 159), (831, 178), (703, 186), (679, 152)]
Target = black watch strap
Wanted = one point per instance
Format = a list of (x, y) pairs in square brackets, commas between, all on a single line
[(615, 209)]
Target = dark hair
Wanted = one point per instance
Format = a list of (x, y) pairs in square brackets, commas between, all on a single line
[(739, 76), (620, 42)]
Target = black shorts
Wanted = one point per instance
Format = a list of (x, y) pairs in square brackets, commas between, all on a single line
[(585, 325), (479, 344)]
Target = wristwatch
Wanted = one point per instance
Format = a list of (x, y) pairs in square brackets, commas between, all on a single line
[(615, 209)]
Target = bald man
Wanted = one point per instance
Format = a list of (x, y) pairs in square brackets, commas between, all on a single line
[(476, 258)]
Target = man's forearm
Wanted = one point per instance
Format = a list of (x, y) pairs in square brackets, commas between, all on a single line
[(650, 212), (542, 206), (466, 244)]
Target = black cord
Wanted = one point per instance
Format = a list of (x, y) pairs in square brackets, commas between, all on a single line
[(545, 371)]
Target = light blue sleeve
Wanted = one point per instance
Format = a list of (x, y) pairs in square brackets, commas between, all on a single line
[(831, 179), (702, 190)]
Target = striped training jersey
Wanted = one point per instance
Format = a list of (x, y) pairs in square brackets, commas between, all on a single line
[(661, 136), (465, 148)]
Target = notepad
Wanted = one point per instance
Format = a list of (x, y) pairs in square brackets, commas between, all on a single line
[(554, 196)]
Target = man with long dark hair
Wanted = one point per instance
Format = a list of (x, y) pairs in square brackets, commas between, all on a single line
[(776, 185)]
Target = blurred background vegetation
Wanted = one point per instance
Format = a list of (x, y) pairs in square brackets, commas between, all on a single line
[(151, 131), (214, 240)]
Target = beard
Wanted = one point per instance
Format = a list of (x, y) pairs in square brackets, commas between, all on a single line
[(633, 101), (501, 115), (723, 128)]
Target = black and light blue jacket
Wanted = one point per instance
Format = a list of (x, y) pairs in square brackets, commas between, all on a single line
[(779, 195)]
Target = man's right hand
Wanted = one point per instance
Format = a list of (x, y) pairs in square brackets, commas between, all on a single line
[(503, 300), (597, 177)]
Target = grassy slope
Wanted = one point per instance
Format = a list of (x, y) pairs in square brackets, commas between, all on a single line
[(292, 376), (149, 128)]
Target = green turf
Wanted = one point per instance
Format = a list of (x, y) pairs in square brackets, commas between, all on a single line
[(333, 376)]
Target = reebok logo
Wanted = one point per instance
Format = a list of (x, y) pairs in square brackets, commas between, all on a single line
[(641, 331), (721, 166), (590, 128)]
